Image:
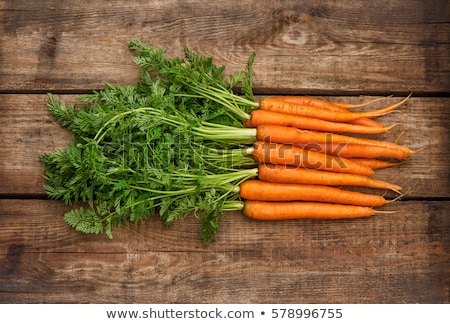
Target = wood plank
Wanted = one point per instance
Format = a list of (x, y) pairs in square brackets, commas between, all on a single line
[(302, 46), (401, 258), (28, 131)]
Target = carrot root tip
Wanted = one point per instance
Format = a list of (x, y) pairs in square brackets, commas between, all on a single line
[(385, 211), (420, 149)]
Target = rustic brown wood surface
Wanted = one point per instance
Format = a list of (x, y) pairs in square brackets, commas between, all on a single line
[(341, 49)]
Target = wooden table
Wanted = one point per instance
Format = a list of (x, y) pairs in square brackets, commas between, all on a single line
[(345, 50)]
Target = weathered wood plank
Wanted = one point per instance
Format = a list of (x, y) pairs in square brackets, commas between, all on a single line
[(28, 131), (401, 258), (302, 46)]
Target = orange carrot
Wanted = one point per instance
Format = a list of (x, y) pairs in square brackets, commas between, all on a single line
[(248, 123), (366, 122), (285, 154), (265, 210), (309, 101), (334, 106), (352, 150), (264, 117), (287, 174), (273, 104), (352, 106), (375, 163), (271, 191), (319, 103), (283, 134)]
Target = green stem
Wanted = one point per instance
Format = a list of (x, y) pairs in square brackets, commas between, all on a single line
[(228, 182), (102, 132), (164, 193), (233, 205), (230, 134), (207, 131), (225, 159), (226, 98)]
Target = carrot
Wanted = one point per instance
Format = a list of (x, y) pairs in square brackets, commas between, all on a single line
[(285, 154), (265, 210), (264, 117), (352, 150), (273, 104), (289, 174), (375, 163), (249, 123), (309, 101), (366, 122), (271, 191), (334, 106), (283, 134), (319, 103), (352, 106)]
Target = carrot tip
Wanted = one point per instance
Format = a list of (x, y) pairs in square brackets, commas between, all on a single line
[(420, 149), (351, 106), (385, 211), (401, 195), (397, 191), (398, 137), (393, 125)]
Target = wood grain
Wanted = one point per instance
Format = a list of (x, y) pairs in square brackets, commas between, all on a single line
[(401, 258), (302, 46)]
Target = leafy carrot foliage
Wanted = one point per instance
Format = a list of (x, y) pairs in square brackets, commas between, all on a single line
[(151, 148)]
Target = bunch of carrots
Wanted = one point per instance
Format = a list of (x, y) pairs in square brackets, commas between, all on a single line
[(305, 147), (305, 156), (284, 157)]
